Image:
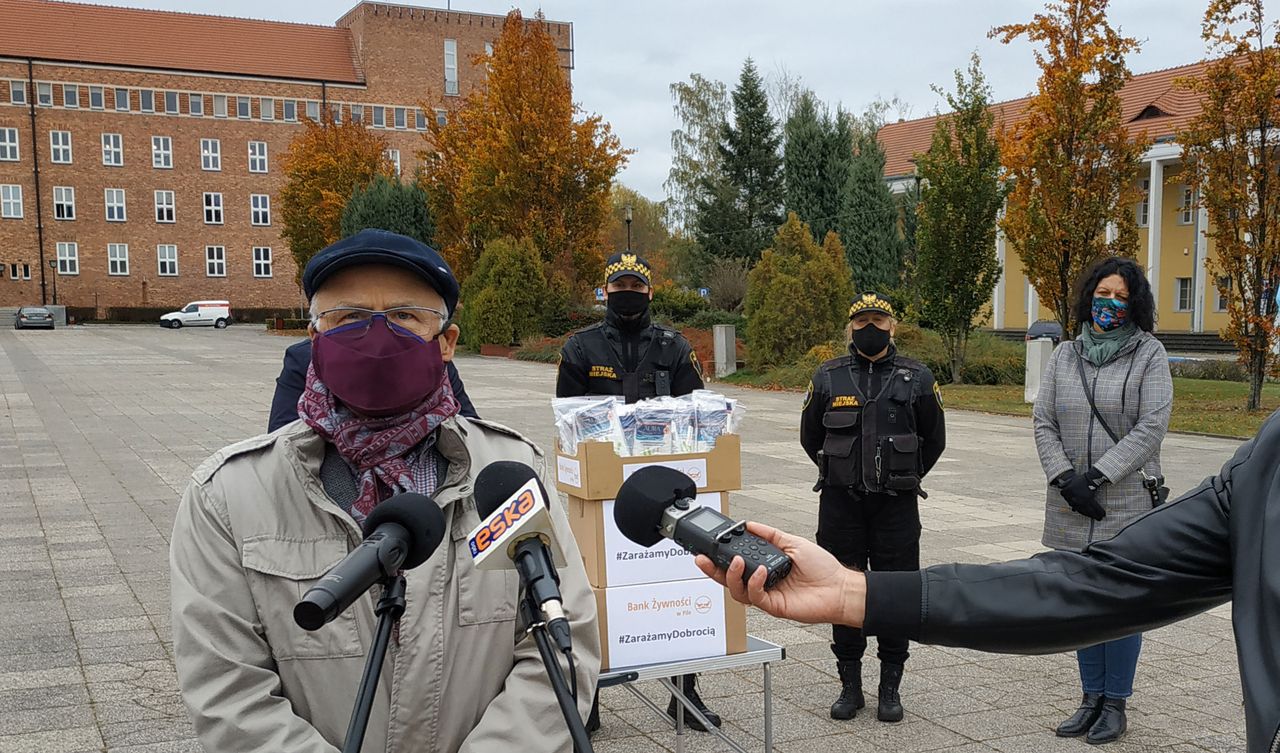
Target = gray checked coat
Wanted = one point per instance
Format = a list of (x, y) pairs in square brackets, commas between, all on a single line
[(1134, 393)]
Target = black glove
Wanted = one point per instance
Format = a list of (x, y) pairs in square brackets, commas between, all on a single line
[(1080, 491)]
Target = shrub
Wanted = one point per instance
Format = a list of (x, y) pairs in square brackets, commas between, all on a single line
[(727, 279), (1219, 369), (503, 295), (387, 204), (711, 317), (677, 304), (542, 350)]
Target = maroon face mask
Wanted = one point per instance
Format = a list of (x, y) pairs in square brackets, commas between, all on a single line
[(378, 368)]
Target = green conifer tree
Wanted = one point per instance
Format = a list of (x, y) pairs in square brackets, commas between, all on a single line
[(388, 204), (870, 217)]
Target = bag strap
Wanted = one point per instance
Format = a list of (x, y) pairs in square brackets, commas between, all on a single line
[(1088, 393)]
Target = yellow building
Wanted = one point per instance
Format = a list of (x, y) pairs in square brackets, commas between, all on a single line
[(1173, 246)]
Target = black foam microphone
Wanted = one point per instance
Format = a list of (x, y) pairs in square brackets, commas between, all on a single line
[(400, 533), (658, 502)]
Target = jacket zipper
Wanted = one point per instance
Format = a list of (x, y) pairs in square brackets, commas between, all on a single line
[(1275, 742)]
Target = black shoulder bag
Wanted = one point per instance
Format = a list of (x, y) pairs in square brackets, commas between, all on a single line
[(1153, 484)]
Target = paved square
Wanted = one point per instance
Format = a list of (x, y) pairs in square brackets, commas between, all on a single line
[(102, 426)]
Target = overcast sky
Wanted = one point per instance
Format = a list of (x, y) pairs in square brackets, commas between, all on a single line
[(627, 54)]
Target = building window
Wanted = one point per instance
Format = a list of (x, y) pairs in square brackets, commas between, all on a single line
[(17, 92), (260, 209), (1183, 288), (122, 100), (400, 118), (1186, 209), (261, 261), (167, 260), (267, 108), (117, 259), (488, 48), (257, 156), (60, 147), (20, 271), (112, 149), (8, 144), (210, 154), (394, 156), (97, 98), (161, 152), (64, 203), (11, 201), (70, 95), (336, 111), (1220, 300), (451, 66), (313, 111), (1144, 206), (195, 105), (171, 103), (357, 113), (115, 204), (213, 209), (420, 120), (44, 94), (219, 105), (164, 206), (291, 110), (379, 117), (215, 261), (146, 100), (243, 110), (442, 118), (68, 259)]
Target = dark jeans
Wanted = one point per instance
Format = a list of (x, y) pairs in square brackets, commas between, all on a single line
[(1108, 668), (876, 532)]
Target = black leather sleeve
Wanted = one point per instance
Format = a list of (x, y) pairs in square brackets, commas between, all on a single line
[(571, 377), (812, 435), (931, 425), (687, 373)]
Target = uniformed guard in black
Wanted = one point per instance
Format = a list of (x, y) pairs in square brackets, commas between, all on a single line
[(872, 422)]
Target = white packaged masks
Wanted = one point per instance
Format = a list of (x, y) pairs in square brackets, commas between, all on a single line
[(660, 426)]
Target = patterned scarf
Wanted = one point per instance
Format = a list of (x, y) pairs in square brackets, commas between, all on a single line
[(389, 454)]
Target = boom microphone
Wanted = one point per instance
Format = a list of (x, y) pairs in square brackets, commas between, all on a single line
[(658, 502), (400, 533), (515, 531)]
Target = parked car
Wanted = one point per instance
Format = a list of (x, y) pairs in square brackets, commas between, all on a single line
[(33, 317), (1045, 328), (199, 314)]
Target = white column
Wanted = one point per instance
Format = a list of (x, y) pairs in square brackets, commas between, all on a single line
[(1033, 303), (1203, 293), (997, 309), (1111, 232), (1154, 216)]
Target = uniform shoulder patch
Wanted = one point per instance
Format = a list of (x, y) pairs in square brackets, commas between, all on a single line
[(808, 396), (693, 359), (937, 393)]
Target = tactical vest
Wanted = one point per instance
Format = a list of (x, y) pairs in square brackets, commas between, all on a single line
[(871, 445), (606, 375)]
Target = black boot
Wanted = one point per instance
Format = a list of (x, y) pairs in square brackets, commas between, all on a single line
[(689, 684), (593, 721), (1111, 723), (1080, 722), (890, 709), (850, 700)]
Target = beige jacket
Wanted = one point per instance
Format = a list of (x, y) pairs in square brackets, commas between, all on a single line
[(255, 529)]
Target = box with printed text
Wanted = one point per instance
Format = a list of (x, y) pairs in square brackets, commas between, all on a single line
[(672, 621), (596, 470)]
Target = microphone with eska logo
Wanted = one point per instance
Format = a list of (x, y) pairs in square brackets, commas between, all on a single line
[(659, 502), (400, 534), (515, 532)]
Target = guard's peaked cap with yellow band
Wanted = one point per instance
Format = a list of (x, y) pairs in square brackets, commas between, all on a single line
[(620, 265), (871, 302)]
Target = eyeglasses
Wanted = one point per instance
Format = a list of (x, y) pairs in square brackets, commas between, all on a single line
[(420, 320)]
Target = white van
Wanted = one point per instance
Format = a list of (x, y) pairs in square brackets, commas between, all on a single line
[(199, 314)]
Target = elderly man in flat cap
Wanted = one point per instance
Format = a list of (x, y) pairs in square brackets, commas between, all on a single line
[(262, 520)]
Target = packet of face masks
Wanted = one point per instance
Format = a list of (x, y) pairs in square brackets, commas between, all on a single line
[(627, 421), (592, 419), (654, 424)]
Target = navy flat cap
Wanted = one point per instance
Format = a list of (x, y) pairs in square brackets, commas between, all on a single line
[(383, 247)]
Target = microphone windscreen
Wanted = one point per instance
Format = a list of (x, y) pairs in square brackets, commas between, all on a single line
[(420, 516), (498, 481), (642, 499)]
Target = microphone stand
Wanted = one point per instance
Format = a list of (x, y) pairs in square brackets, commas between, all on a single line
[(568, 705), (389, 610)]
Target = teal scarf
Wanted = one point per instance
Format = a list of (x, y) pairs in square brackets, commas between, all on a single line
[(1101, 347)]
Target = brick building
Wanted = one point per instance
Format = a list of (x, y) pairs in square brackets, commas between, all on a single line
[(139, 150)]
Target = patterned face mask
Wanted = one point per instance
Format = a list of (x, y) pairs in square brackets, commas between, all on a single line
[(1110, 313)]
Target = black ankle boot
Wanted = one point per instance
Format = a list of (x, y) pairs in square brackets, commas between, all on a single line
[(850, 700), (1080, 722), (689, 684), (593, 721), (1111, 723), (890, 709)]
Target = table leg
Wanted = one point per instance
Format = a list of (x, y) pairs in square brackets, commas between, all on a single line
[(768, 708)]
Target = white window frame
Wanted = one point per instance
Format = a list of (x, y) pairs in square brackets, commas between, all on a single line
[(394, 156), (60, 152), (162, 152), (64, 202), (258, 162), (17, 92), (401, 115), (166, 206), (357, 113), (213, 208), (219, 105), (335, 109), (215, 261), (488, 48), (25, 274), (114, 198), (71, 96), (262, 262), (112, 150), (211, 155), (176, 102), (267, 108), (98, 93), (146, 100), (260, 210), (44, 94), (1184, 289), (442, 118), (10, 201), (10, 149), (1220, 302), (419, 119), (117, 101), (451, 67), (68, 255), (290, 111), (1186, 209), (118, 259), (244, 108), (195, 105), (1144, 205), (166, 255), (379, 116), (313, 110)]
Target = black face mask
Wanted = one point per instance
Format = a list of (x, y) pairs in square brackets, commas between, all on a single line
[(870, 340), (628, 303)]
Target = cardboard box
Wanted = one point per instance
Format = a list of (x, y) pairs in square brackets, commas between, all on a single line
[(612, 559), (596, 472), (658, 622)]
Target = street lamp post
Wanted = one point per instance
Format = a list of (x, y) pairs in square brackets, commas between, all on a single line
[(628, 227), (53, 264)]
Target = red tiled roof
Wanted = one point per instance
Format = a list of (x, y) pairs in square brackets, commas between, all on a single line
[(108, 35), (905, 139)]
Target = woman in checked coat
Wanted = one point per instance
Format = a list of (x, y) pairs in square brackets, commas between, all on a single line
[(1096, 483)]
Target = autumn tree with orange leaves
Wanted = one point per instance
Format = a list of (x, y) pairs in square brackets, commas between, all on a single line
[(1071, 160), (1232, 154), (517, 159), (325, 164)]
